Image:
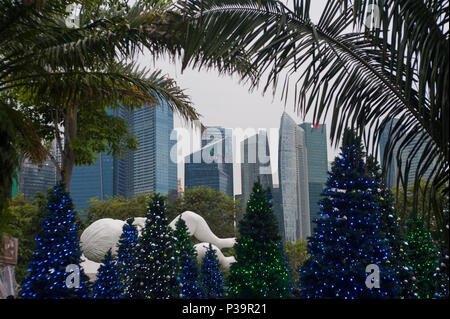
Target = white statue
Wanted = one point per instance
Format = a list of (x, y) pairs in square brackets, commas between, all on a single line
[(225, 262), (104, 234), (197, 227), (99, 237)]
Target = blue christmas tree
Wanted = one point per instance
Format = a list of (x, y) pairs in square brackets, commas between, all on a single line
[(126, 255), (211, 276), (55, 271), (349, 238), (108, 285), (186, 262)]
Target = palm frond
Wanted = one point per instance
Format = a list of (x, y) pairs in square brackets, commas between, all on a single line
[(361, 77)]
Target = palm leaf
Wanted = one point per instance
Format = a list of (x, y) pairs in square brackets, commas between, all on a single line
[(361, 77)]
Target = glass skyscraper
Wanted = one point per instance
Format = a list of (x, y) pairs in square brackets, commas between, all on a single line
[(34, 178), (153, 170), (212, 165), (390, 174), (316, 145), (393, 172), (293, 179), (255, 164), (90, 181), (149, 169)]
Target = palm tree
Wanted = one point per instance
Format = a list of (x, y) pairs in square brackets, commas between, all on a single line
[(51, 69), (363, 63)]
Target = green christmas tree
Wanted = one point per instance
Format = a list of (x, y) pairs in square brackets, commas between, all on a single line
[(393, 234), (126, 253), (261, 269), (349, 239), (108, 284), (153, 275), (424, 259), (211, 275), (55, 271), (187, 266)]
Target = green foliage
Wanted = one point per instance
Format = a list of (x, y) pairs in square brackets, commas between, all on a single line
[(261, 269), (296, 254), (9, 161), (66, 76), (219, 210), (187, 266), (100, 132), (115, 208), (431, 211), (23, 222)]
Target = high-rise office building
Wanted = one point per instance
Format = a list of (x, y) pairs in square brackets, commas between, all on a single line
[(393, 172), (316, 145), (212, 165), (148, 169), (255, 164), (390, 173), (34, 178), (89, 181), (293, 179), (222, 138), (153, 170)]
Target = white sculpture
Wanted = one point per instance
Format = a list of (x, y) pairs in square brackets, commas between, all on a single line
[(90, 268), (99, 237), (104, 234), (197, 227)]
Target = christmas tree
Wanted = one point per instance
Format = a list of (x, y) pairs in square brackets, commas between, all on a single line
[(211, 276), (424, 259), (55, 271), (349, 241), (261, 269), (153, 275), (108, 285), (125, 252), (393, 233), (186, 262)]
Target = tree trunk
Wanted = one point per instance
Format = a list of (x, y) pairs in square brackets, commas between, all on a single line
[(68, 156)]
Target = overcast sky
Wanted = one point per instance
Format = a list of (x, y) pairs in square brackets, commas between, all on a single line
[(222, 101)]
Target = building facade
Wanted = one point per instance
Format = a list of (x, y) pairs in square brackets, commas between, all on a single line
[(89, 181), (212, 165), (153, 170), (149, 169), (317, 155), (255, 164), (34, 178), (392, 173), (293, 180)]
